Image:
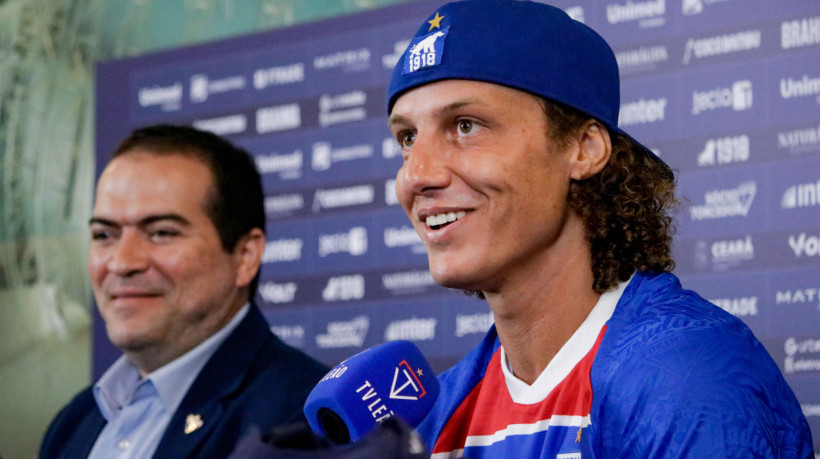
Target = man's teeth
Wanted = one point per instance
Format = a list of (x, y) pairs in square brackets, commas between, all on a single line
[(440, 219)]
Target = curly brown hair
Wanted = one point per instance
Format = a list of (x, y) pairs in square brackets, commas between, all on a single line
[(625, 206)]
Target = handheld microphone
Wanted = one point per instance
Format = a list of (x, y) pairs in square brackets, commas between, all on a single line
[(391, 379)]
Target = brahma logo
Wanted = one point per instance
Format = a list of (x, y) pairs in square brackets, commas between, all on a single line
[(344, 334), (738, 97), (800, 32), (725, 150), (278, 118), (801, 195), (733, 202)]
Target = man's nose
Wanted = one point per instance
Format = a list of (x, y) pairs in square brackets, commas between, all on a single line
[(424, 169), (129, 255)]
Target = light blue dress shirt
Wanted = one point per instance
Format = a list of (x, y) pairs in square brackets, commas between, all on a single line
[(138, 409)]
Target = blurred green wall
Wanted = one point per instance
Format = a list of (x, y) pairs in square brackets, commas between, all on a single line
[(48, 49)]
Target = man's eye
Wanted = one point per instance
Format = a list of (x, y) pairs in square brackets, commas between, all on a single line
[(100, 235), (163, 234), (406, 139), (466, 126)]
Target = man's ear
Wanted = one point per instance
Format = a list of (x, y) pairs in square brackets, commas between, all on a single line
[(248, 253), (594, 147)]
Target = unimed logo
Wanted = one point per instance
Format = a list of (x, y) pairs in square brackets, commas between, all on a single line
[(636, 11)]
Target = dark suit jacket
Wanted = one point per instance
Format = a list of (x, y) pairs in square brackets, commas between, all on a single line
[(253, 379)]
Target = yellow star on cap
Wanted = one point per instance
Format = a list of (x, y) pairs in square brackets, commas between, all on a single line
[(435, 23)]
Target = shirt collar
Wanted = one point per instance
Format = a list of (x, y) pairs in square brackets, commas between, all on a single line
[(171, 381)]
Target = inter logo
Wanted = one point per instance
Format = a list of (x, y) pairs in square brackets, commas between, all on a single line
[(425, 51)]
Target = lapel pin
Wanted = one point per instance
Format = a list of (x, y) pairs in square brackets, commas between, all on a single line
[(192, 423)]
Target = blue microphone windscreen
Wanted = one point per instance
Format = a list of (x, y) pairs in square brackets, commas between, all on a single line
[(391, 379)]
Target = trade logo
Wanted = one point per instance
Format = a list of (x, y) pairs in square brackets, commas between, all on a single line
[(732, 202), (344, 334)]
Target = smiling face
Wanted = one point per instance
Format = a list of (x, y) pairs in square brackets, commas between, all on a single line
[(482, 183), (162, 280)]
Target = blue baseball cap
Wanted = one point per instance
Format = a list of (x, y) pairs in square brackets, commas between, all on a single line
[(522, 44)]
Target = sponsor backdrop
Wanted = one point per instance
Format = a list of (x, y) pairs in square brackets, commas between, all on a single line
[(726, 91)]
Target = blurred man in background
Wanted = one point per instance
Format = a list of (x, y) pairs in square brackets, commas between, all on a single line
[(177, 237)]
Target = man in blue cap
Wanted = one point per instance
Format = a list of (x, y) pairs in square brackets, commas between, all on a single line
[(526, 193)]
